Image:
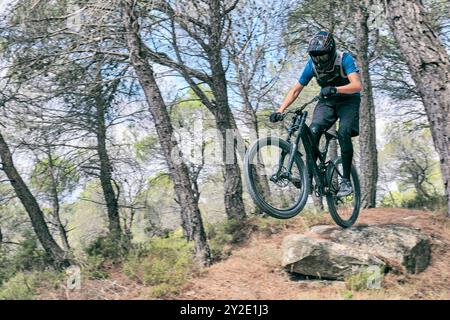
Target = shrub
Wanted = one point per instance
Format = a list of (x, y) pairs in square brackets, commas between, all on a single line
[(163, 290), (95, 267), (107, 247), (19, 287), (222, 236), (103, 252), (238, 230), (29, 255), (347, 295), (165, 264), (270, 226), (360, 280), (434, 202), (7, 268), (24, 286), (412, 200)]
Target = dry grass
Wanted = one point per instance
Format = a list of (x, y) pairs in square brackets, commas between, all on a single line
[(253, 270)]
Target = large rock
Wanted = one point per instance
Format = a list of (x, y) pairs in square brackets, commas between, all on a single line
[(324, 259), (404, 248), (333, 253)]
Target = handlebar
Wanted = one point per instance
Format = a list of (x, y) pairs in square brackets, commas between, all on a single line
[(300, 110)]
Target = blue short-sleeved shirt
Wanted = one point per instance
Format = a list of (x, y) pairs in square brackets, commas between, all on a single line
[(348, 64)]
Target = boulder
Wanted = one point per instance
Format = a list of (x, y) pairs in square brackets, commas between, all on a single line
[(324, 259), (334, 253)]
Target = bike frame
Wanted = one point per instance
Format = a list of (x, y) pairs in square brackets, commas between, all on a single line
[(312, 150)]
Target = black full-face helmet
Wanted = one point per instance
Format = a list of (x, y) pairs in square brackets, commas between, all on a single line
[(322, 49)]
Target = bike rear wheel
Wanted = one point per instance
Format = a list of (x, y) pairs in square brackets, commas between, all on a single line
[(343, 210), (276, 192)]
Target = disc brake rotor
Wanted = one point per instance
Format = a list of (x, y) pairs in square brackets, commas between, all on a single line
[(278, 180)]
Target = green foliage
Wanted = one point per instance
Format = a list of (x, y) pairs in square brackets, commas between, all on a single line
[(239, 230), (145, 148), (29, 255), (2, 44), (433, 202), (360, 280), (219, 241), (87, 217), (19, 287), (161, 180), (95, 267), (411, 200), (222, 236), (24, 286), (163, 290), (26, 257), (104, 246), (165, 264), (347, 295), (103, 252), (270, 226), (64, 172), (7, 269), (409, 159), (188, 110)]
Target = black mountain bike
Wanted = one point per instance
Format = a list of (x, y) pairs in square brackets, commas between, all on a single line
[(280, 183)]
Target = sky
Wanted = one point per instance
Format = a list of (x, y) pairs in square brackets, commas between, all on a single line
[(4, 4)]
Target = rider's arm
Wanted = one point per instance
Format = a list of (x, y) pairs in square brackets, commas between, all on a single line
[(354, 86), (291, 97), (304, 80)]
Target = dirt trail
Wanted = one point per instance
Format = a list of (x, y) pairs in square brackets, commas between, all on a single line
[(254, 272)]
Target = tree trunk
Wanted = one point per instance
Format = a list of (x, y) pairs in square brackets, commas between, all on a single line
[(109, 194), (368, 142), (262, 180), (177, 168), (429, 65), (234, 204), (216, 80), (32, 207), (55, 202)]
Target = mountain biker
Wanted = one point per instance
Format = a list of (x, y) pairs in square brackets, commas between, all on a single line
[(338, 76)]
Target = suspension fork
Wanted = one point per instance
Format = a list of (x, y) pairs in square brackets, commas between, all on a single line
[(299, 126), (310, 149)]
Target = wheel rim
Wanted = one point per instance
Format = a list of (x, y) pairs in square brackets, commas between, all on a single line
[(276, 189), (346, 208)]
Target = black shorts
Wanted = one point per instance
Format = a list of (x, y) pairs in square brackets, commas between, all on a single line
[(346, 109)]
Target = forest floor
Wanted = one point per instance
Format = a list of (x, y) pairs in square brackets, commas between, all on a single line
[(253, 270)]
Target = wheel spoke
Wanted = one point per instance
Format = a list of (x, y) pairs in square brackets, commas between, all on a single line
[(344, 210), (275, 190)]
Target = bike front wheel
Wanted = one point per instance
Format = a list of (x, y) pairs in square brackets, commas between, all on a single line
[(275, 191), (343, 210)]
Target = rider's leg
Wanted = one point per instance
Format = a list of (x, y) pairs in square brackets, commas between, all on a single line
[(345, 141), (317, 130), (348, 112), (324, 118)]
